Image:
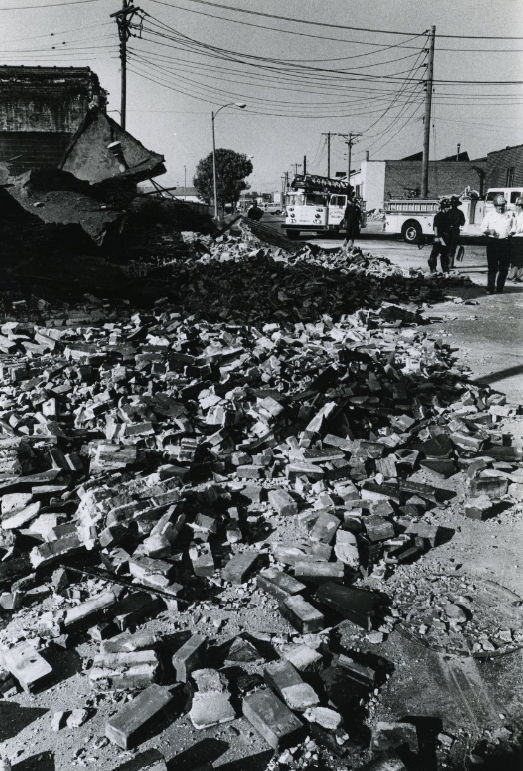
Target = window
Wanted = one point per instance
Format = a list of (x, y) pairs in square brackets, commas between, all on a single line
[(510, 176), (338, 200), (515, 196), (492, 193), (316, 199)]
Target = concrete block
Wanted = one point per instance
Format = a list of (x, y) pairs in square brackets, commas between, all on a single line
[(240, 567), (302, 615), (89, 613), (319, 572), (273, 720), (189, 657), (282, 502), (123, 728), (357, 605), (285, 680), (279, 584), (25, 664)]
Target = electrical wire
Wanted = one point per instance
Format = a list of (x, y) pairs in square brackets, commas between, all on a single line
[(380, 46), (222, 79), (47, 5), (241, 57), (245, 58), (337, 26), (295, 105), (261, 80)]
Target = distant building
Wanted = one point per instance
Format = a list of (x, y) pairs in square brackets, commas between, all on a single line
[(187, 194), (505, 167), (40, 110), (378, 181)]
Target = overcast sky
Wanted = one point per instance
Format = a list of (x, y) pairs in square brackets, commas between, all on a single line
[(299, 80)]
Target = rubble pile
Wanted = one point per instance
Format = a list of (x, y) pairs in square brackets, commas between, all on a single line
[(193, 505), (236, 278)]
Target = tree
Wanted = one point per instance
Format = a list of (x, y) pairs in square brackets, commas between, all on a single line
[(231, 170)]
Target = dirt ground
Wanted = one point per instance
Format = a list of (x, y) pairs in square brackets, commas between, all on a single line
[(470, 700)]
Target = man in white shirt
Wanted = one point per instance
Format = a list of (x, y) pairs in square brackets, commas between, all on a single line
[(516, 244), (497, 226)]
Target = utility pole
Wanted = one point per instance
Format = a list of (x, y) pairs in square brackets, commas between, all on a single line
[(124, 23), (296, 167), (352, 135), (328, 134), (428, 108)]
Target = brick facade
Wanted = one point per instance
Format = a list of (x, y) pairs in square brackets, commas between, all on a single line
[(505, 167), (41, 109), (444, 177)]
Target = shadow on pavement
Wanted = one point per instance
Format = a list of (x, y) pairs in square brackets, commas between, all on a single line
[(14, 718), (205, 751), (501, 374), (43, 761)]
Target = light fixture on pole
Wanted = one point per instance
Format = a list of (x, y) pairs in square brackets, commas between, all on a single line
[(241, 105)]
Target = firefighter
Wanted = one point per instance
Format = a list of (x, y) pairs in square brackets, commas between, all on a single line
[(455, 221), (352, 219), (441, 237), (255, 212), (497, 225)]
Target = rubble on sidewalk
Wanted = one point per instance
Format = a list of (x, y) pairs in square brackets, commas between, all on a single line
[(171, 475)]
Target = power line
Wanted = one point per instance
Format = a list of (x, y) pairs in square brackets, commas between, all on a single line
[(227, 53), (337, 26), (288, 18), (47, 5), (380, 46)]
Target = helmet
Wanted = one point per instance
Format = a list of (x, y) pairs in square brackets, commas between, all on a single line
[(519, 201), (444, 203), (455, 200), (499, 200)]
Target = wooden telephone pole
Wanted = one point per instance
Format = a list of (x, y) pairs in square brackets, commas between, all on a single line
[(350, 142), (124, 23), (428, 108)]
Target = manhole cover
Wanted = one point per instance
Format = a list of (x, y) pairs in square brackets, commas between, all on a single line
[(461, 614)]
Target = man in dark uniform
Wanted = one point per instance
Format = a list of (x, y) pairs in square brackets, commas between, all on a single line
[(255, 213), (440, 238), (352, 217), (455, 221)]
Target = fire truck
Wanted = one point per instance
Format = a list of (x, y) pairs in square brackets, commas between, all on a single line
[(316, 204), (414, 217)]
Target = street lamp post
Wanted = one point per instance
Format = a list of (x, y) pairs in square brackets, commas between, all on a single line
[(241, 105)]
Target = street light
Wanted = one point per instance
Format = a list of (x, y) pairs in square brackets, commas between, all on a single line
[(241, 105)]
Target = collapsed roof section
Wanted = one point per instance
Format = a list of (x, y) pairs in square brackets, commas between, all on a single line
[(101, 150), (95, 181)]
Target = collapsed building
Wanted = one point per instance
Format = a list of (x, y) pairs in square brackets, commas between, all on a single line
[(67, 170)]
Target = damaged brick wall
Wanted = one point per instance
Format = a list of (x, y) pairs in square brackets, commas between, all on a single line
[(505, 167), (41, 109), (444, 177)]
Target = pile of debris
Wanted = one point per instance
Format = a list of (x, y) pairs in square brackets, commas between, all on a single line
[(237, 279), (169, 484)]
